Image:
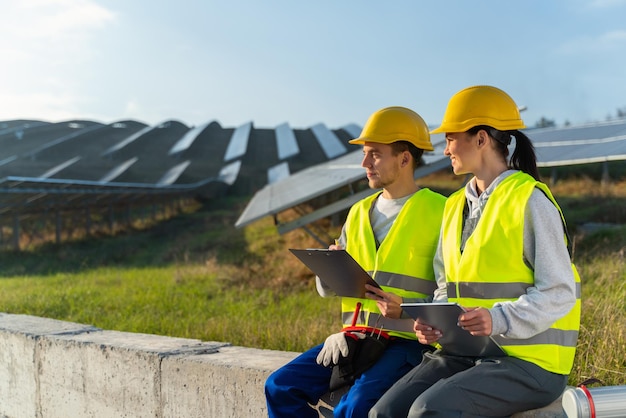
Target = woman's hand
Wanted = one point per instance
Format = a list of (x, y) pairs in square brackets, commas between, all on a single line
[(425, 333), (477, 321), (388, 303)]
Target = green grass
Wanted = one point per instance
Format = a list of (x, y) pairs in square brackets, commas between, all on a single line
[(602, 343), (176, 301), (196, 276)]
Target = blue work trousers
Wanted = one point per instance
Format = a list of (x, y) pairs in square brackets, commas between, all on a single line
[(291, 390)]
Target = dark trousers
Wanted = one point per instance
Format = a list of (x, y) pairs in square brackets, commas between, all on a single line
[(451, 386)]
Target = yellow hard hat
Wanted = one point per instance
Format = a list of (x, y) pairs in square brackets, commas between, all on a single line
[(393, 124), (480, 105)]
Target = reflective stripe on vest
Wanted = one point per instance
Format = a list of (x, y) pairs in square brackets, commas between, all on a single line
[(493, 290), (491, 268), (403, 262), (402, 281)]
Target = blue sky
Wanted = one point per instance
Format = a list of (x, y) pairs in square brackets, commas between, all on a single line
[(306, 62)]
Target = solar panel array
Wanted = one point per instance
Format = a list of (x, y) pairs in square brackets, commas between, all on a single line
[(585, 144), (80, 165), (580, 145)]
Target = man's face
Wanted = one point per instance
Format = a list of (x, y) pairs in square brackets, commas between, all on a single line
[(381, 166)]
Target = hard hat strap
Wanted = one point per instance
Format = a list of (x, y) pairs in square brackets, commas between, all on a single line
[(503, 137)]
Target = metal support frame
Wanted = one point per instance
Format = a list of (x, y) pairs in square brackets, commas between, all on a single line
[(16, 231)]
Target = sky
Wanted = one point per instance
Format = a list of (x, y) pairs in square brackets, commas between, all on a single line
[(306, 62)]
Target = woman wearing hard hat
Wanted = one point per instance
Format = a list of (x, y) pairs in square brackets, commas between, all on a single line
[(503, 256)]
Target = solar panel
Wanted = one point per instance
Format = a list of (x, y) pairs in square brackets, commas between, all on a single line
[(238, 142), (319, 180), (118, 170), (59, 167), (329, 142), (128, 140), (173, 173), (277, 172), (187, 140), (228, 173), (286, 141), (584, 152), (353, 129), (593, 131)]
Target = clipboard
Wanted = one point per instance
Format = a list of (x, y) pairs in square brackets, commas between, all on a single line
[(455, 341), (337, 269)]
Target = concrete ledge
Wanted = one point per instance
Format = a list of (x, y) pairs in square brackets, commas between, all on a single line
[(51, 369), (554, 410), (226, 384)]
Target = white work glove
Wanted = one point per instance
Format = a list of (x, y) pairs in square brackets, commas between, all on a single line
[(334, 347)]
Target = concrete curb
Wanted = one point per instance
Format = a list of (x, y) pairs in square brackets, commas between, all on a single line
[(51, 368)]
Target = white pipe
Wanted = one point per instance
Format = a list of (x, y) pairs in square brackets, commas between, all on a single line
[(600, 402)]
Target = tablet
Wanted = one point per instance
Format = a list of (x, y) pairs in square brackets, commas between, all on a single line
[(337, 269), (455, 341)]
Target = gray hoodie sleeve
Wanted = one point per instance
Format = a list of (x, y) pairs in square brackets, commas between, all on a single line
[(323, 290), (554, 292), (441, 293)]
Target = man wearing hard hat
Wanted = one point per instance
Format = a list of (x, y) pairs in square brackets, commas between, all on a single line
[(393, 235)]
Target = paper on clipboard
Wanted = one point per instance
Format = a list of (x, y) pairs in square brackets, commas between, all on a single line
[(337, 269), (455, 341)]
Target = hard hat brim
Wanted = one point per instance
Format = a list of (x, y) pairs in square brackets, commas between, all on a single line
[(363, 140), (465, 126)]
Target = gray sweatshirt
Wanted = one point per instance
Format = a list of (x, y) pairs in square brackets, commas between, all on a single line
[(554, 290), (382, 216)]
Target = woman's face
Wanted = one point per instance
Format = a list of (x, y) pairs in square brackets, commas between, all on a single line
[(461, 149)]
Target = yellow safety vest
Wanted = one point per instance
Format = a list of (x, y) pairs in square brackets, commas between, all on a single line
[(491, 268), (403, 263)]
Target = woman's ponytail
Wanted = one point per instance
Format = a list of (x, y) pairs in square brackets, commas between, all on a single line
[(524, 157)]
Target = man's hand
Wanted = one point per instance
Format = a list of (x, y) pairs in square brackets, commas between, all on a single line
[(336, 347), (335, 246), (388, 303)]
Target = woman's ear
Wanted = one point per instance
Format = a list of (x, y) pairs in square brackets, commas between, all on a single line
[(481, 138)]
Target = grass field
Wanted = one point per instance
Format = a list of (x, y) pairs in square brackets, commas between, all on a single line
[(196, 276)]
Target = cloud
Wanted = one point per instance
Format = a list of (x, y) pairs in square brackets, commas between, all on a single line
[(38, 33), (34, 31), (605, 4), (52, 20), (56, 18), (616, 37), (45, 47), (612, 41)]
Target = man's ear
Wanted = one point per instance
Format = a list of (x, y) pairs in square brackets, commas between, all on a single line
[(405, 158)]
